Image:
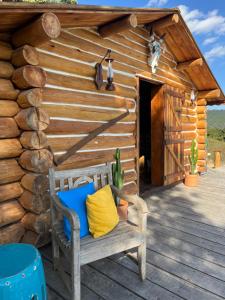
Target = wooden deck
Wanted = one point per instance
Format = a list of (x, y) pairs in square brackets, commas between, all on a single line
[(185, 256)]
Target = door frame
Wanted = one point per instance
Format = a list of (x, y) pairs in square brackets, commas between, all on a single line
[(153, 82)]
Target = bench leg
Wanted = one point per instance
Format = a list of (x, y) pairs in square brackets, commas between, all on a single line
[(141, 255), (55, 253), (76, 294)]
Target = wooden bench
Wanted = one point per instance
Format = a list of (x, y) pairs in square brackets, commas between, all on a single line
[(71, 255)]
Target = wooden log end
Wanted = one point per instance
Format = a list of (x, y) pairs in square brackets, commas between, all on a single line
[(29, 76), (25, 55), (32, 97)]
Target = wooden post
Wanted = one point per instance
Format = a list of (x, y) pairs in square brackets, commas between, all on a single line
[(217, 159), (45, 28)]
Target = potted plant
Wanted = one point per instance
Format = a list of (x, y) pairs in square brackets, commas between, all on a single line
[(191, 179), (118, 181)]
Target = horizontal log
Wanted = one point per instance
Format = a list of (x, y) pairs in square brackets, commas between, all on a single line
[(29, 76), (60, 96), (63, 144), (6, 70), (201, 109), (37, 223), (40, 31), (38, 161), (35, 203), (164, 22), (202, 124), (188, 119), (35, 183), (8, 128), (7, 90), (33, 140), (189, 135), (83, 113), (12, 233), (32, 97), (188, 127), (10, 191), (190, 64), (5, 51), (201, 102), (36, 239), (25, 55), (78, 68), (118, 25), (10, 171), (187, 111), (77, 127), (8, 108), (87, 85), (10, 148), (32, 119), (99, 158), (130, 189), (11, 212), (210, 94)]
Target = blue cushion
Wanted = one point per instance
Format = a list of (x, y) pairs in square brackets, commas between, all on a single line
[(76, 200)]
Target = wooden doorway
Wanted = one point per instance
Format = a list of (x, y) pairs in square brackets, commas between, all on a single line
[(160, 135), (150, 134)]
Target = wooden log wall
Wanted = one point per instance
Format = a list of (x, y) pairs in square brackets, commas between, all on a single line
[(24, 157), (202, 134), (189, 127), (11, 211), (76, 107), (35, 159)]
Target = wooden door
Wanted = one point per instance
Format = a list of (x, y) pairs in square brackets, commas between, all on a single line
[(173, 141)]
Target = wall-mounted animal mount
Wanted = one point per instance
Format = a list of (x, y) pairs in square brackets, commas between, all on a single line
[(157, 47)]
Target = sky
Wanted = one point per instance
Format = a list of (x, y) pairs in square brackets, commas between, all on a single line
[(205, 18)]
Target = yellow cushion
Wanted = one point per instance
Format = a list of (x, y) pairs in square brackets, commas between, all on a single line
[(101, 212)]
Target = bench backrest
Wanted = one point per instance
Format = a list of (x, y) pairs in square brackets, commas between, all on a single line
[(69, 179)]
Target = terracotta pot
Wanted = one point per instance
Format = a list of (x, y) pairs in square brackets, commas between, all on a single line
[(122, 210), (191, 180)]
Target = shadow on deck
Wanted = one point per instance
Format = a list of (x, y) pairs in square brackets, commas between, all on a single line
[(185, 255)]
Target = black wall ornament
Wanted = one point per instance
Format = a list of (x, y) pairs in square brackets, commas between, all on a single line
[(157, 47)]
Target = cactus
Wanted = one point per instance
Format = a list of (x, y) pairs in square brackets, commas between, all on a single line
[(118, 174), (193, 157)]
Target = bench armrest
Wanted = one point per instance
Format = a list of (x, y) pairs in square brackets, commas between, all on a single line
[(65, 211), (135, 199)]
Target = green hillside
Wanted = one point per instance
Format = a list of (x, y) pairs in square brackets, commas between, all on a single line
[(216, 119)]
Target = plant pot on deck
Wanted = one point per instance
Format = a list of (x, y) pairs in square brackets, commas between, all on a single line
[(122, 210), (191, 180)]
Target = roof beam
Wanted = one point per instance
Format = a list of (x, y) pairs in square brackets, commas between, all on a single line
[(164, 22), (190, 64), (118, 25), (210, 94)]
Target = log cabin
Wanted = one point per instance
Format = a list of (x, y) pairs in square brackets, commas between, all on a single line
[(56, 107)]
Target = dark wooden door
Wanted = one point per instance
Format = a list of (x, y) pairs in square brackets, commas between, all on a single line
[(173, 141)]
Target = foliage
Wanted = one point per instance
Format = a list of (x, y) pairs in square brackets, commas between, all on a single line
[(51, 1), (216, 133), (118, 174), (216, 119), (193, 157)]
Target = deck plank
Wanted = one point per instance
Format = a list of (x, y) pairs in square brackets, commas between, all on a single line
[(185, 250)]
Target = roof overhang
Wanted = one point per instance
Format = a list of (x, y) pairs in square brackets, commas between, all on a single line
[(178, 38)]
